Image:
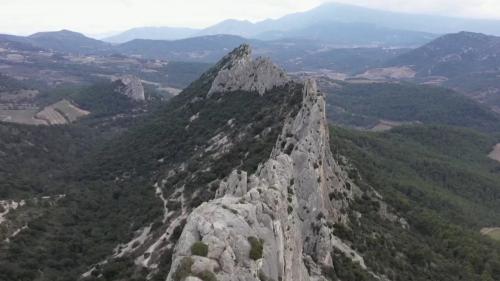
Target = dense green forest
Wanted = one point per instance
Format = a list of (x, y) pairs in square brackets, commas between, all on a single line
[(440, 180), (363, 105), (36, 160)]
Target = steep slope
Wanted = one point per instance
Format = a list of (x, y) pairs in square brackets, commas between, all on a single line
[(442, 181), (284, 208)]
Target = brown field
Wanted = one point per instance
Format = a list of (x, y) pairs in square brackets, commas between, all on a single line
[(61, 112)]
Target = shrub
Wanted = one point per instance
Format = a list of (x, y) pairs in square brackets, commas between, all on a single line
[(199, 249), (207, 276), (183, 270), (257, 247)]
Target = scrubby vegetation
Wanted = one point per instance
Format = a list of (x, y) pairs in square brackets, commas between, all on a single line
[(183, 270), (345, 269), (256, 247), (199, 249)]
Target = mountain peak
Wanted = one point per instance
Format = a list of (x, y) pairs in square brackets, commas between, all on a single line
[(238, 71), (244, 51)]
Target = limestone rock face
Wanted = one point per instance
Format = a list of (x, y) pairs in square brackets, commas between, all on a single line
[(285, 206), (131, 87), (238, 71)]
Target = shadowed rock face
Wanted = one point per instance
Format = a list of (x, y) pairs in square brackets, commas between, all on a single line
[(285, 204), (240, 72), (131, 87)]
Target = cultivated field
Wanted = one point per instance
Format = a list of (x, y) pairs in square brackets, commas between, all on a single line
[(23, 116), (61, 112)]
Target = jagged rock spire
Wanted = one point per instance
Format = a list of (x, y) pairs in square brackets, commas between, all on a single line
[(284, 206), (238, 71)]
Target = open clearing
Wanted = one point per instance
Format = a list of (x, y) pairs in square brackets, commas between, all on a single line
[(495, 154), (386, 125), (492, 232), (23, 116), (388, 73)]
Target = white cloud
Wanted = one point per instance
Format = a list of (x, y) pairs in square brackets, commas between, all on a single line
[(97, 16)]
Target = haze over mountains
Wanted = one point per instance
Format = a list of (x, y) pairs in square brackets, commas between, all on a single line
[(330, 15)]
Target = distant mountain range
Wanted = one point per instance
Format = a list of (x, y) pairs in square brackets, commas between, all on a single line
[(293, 54), (60, 41), (328, 26), (153, 33), (329, 18), (465, 61), (453, 55)]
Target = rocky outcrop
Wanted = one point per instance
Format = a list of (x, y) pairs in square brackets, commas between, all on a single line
[(275, 224), (131, 87), (238, 71)]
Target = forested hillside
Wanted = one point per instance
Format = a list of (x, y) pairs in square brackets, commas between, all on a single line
[(441, 181)]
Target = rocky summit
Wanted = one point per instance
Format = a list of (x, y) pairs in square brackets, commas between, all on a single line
[(238, 71)]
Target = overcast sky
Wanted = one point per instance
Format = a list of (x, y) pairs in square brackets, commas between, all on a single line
[(101, 16)]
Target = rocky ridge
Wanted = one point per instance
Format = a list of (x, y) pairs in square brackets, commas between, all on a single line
[(286, 205), (260, 195), (238, 71)]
